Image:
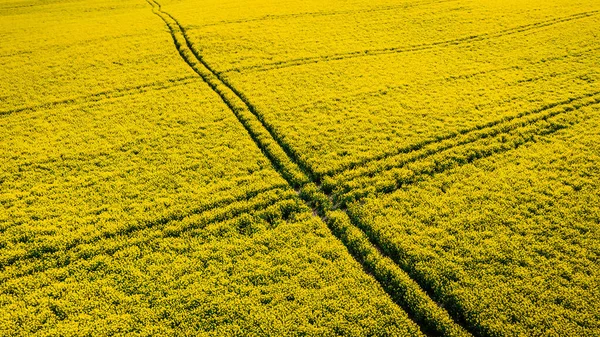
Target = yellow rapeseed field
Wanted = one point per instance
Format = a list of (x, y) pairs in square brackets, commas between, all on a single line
[(299, 167)]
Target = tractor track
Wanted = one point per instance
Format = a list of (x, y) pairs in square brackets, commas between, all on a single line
[(427, 149), (108, 94), (411, 48), (323, 13), (224, 209), (432, 318)]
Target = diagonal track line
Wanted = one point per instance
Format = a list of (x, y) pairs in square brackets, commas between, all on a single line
[(412, 48), (189, 225), (404, 291), (42, 249), (426, 149), (102, 95), (429, 164)]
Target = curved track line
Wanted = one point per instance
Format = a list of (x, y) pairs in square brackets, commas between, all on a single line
[(412, 48)]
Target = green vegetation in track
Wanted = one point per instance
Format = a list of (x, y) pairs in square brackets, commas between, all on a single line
[(508, 242)]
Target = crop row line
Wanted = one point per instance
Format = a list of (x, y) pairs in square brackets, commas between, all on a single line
[(41, 249), (395, 179), (163, 227), (102, 95), (404, 291), (323, 13), (461, 76), (17, 53), (407, 156), (280, 207), (411, 48)]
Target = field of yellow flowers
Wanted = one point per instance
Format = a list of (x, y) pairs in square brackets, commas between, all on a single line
[(299, 167)]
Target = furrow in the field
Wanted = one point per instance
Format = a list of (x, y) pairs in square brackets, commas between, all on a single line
[(23, 52), (423, 164), (426, 149), (324, 13), (431, 317), (460, 76), (412, 48), (99, 96), (227, 206), (242, 218), (235, 102), (221, 194)]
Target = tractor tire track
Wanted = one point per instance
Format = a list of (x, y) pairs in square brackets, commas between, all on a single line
[(370, 168), (103, 95), (322, 13), (188, 226), (18, 53), (412, 48), (418, 304), (501, 140), (226, 205)]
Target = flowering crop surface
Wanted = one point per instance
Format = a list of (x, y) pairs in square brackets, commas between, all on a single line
[(300, 167), (135, 203)]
